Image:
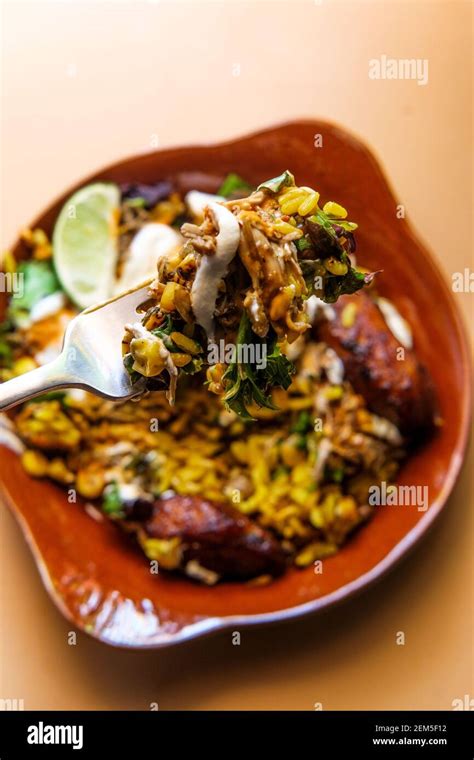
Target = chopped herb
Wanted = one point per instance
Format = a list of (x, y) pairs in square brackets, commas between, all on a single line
[(128, 362), (279, 369), (303, 243), (233, 184), (164, 333), (280, 470), (346, 226), (137, 202), (195, 365), (38, 281), (278, 183), (302, 442), (333, 225), (332, 243), (111, 501), (310, 269), (337, 474), (6, 351), (168, 326), (346, 284), (245, 384), (303, 424), (164, 330)]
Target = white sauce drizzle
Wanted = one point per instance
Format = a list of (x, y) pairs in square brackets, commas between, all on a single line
[(194, 570), (324, 449), (213, 268), (197, 201), (129, 492), (397, 325), (334, 367)]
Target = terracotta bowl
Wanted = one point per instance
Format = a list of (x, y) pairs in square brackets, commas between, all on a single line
[(98, 580)]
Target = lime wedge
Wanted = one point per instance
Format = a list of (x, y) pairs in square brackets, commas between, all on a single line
[(85, 243)]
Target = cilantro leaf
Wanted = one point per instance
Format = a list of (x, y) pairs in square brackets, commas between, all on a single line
[(111, 501), (345, 285), (246, 384), (38, 280), (234, 184), (6, 350), (274, 185)]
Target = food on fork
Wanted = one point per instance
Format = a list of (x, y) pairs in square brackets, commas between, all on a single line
[(242, 279)]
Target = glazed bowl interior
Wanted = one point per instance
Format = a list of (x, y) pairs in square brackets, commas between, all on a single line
[(98, 579)]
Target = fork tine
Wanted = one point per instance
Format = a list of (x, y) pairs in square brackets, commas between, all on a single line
[(91, 358), (124, 302)]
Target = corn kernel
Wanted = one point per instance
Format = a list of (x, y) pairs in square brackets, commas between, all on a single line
[(188, 345), (346, 508), (309, 204), (239, 451), (290, 454), (58, 471), (167, 297), (290, 511), (349, 314), (182, 299), (180, 360), (148, 356), (316, 517), (300, 496), (27, 235), (333, 392), (286, 229), (35, 463), (314, 551), (43, 252), (288, 193), (90, 482), (214, 376), (334, 209), (301, 475), (300, 402), (39, 237), (291, 206), (9, 262), (167, 552), (335, 267)]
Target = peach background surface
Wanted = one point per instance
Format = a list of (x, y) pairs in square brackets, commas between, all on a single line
[(87, 83)]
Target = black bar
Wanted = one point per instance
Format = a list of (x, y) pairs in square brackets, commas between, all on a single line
[(433, 734)]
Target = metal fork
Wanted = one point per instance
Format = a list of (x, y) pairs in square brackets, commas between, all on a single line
[(90, 359)]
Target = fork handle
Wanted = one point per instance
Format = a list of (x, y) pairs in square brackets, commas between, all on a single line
[(52, 376)]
